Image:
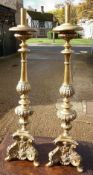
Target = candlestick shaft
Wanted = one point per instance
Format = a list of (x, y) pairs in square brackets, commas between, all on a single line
[(23, 67), (67, 13), (23, 16), (67, 70)]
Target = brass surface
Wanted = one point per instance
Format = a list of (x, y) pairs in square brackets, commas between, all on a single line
[(65, 152), (23, 147), (67, 12), (67, 27)]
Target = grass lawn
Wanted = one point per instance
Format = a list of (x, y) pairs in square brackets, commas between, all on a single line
[(60, 41)]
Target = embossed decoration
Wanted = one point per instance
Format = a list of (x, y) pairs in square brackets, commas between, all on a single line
[(23, 147), (65, 153), (66, 90), (23, 87)]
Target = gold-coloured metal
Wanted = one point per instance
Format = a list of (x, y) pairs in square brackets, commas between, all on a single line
[(23, 147), (67, 13), (65, 152)]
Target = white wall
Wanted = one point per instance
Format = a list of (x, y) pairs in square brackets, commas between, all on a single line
[(48, 25), (87, 28)]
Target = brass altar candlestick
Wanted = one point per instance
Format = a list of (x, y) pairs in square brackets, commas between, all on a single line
[(23, 147), (65, 153)]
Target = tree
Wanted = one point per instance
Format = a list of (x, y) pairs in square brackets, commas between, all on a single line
[(58, 6), (30, 8), (89, 8), (59, 13), (82, 10), (85, 10), (73, 15)]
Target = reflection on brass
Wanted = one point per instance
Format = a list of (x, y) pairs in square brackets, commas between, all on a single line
[(23, 147), (65, 152)]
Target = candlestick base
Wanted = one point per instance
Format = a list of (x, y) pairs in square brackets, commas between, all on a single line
[(65, 153), (22, 148)]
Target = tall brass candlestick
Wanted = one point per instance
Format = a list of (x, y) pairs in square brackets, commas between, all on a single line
[(65, 153), (23, 147)]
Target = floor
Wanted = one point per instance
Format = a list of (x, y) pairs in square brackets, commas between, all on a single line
[(45, 77)]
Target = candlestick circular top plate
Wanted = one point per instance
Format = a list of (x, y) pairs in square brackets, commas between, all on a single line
[(67, 27), (22, 28)]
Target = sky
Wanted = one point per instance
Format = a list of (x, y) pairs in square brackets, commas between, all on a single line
[(48, 4)]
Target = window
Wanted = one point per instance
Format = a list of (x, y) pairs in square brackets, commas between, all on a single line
[(41, 24)]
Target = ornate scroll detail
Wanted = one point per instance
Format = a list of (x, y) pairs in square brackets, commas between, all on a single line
[(22, 148), (65, 153)]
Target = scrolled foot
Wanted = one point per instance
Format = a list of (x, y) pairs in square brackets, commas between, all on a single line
[(80, 169), (36, 163), (7, 158), (49, 164), (76, 161)]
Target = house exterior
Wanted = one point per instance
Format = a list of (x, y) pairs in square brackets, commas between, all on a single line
[(13, 4), (41, 21), (9, 16), (87, 25)]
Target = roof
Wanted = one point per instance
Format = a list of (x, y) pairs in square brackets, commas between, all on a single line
[(7, 9), (40, 16)]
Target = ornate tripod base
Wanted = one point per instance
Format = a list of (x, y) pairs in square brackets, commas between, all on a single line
[(65, 153), (22, 148)]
